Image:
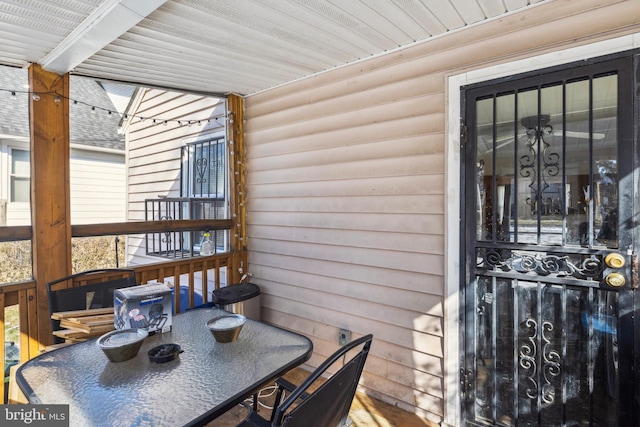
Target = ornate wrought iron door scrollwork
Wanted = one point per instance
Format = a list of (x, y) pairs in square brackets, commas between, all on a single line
[(528, 355), (543, 264), (550, 363), (538, 150)]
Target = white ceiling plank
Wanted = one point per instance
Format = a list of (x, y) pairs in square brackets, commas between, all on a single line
[(296, 23), (108, 22), (217, 35), (516, 4), (443, 11), (492, 8), (470, 11), (366, 21)]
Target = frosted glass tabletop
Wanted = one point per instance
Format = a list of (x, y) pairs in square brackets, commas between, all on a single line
[(207, 379)]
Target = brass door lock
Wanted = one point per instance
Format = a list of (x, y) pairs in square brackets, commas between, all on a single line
[(614, 260), (615, 280)]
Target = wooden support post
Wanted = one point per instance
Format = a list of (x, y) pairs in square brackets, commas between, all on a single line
[(238, 187), (50, 198), (235, 126)]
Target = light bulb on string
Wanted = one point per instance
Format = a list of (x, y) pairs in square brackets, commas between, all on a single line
[(35, 96)]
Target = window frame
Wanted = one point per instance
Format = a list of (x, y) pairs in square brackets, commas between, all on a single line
[(193, 203), (12, 175)]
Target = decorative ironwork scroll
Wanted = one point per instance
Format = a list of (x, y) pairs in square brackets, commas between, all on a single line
[(551, 365), (528, 355), (538, 152), (540, 263), (550, 362), (167, 234), (202, 164)]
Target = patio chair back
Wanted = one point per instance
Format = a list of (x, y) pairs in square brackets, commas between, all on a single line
[(329, 404), (86, 290)]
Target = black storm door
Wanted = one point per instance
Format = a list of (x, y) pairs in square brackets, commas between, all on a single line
[(549, 256)]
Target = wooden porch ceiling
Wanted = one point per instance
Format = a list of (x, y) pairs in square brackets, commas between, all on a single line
[(221, 47)]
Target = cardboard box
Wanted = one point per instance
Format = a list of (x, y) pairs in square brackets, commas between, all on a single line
[(145, 306)]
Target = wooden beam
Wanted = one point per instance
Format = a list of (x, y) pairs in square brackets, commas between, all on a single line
[(10, 234), (237, 198), (50, 198), (115, 228)]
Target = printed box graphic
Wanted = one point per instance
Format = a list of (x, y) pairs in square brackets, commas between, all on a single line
[(145, 307)]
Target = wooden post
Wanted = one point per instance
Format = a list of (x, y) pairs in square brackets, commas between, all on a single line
[(50, 198), (238, 187)]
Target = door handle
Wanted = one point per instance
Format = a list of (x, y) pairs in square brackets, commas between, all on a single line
[(614, 260), (615, 280)]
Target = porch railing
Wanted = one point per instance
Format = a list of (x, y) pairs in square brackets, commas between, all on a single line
[(184, 244)]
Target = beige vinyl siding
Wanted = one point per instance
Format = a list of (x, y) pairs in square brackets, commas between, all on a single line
[(346, 192), (154, 150)]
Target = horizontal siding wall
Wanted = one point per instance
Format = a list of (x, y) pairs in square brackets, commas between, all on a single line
[(154, 150), (98, 187), (346, 204), (98, 190)]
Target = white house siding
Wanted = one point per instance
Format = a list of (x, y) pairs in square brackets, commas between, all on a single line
[(97, 181), (97, 187), (346, 193), (153, 150)]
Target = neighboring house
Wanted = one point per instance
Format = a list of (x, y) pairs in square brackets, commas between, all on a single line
[(97, 171), (177, 158)]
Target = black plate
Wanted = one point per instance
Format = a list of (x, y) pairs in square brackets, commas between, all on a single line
[(164, 353)]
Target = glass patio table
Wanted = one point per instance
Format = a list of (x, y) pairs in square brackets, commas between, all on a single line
[(206, 380)]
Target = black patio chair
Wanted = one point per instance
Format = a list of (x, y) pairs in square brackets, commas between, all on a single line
[(326, 406), (86, 290)]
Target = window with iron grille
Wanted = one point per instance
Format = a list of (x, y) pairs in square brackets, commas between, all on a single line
[(203, 188)]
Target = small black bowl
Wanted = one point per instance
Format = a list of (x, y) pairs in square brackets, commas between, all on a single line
[(164, 353)]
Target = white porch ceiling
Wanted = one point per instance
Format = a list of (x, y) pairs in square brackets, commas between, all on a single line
[(223, 46)]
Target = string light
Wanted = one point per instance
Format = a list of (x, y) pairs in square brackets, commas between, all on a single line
[(36, 96)]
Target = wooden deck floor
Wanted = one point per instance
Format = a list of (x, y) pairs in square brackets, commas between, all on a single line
[(365, 411)]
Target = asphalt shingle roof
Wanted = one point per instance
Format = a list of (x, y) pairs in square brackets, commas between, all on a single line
[(98, 129)]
